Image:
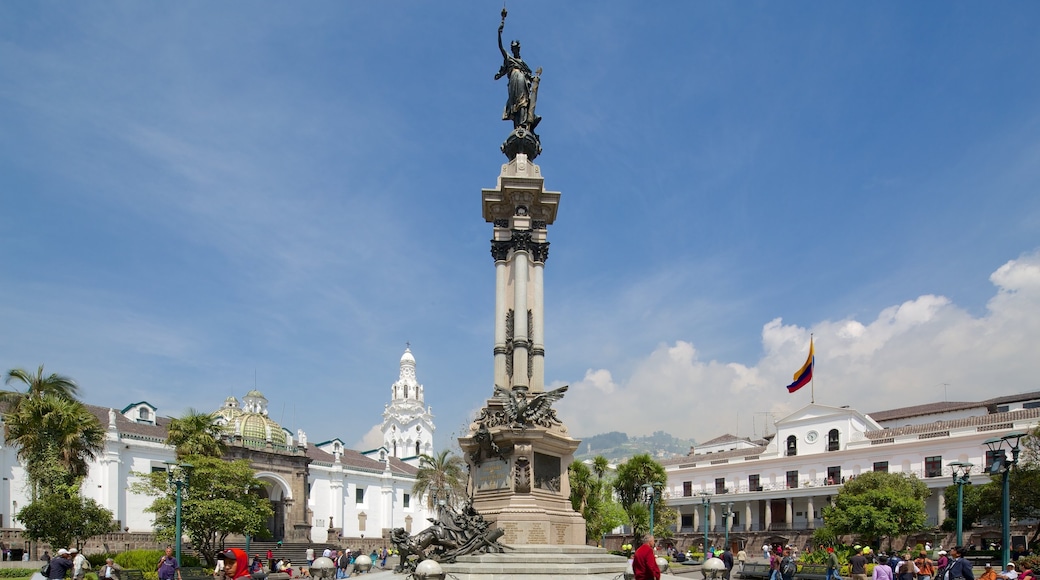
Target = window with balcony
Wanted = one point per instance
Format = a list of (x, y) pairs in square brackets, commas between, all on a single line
[(792, 446), (720, 485), (687, 488), (792, 479), (753, 483), (834, 440), (834, 475), (881, 466), (933, 466)]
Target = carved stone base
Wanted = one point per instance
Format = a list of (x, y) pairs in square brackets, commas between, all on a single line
[(540, 563), (524, 491), (522, 141)]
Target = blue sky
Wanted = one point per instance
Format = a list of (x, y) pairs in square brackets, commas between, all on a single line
[(197, 194)]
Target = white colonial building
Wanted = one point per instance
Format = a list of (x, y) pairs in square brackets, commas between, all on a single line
[(319, 492), (776, 487)]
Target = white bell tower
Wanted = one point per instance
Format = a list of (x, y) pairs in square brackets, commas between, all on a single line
[(407, 423)]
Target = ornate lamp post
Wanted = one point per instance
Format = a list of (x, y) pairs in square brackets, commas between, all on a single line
[(961, 471), (1002, 465), (705, 505), (651, 493), (178, 475)]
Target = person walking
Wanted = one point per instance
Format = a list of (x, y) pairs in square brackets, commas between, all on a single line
[(788, 568), (80, 565), (959, 567), (774, 567), (925, 567), (858, 565), (741, 558), (727, 561), (644, 562), (882, 571), (833, 565)]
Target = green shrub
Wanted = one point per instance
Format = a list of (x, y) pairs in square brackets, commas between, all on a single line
[(17, 572), (98, 560)]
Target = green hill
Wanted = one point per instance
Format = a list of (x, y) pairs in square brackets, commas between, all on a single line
[(617, 446)]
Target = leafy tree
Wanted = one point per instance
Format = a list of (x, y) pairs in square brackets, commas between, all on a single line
[(196, 433), (632, 475), (49, 429), (221, 498), (443, 475), (592, 496), (62, 516), (875, 505)]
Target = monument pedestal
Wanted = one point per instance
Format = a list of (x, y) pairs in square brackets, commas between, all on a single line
[(519, 477)]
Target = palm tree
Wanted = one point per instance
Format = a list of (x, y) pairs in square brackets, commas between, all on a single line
[(37, 385), (441, 477), (196, 433), (53, 431)]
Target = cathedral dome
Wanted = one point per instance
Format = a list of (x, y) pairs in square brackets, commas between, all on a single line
[(257, 426), (250, 420), (407, 356)]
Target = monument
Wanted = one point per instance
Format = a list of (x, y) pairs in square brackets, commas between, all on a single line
[(519, 523)]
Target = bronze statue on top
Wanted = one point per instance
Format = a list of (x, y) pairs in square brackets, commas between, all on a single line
[(521, 100)]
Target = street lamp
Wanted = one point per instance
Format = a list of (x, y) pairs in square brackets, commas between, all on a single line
[(651, 492), (705, 505), (178, 479), (725, 522), (961, 471), (1002, 465)]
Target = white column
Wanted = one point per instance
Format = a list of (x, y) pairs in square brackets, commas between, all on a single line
[(520, 273), (769, 514), (697, 518), (811, 518), (538, 330), (747, 516), (789, 514), (501, 281), (711, 518)]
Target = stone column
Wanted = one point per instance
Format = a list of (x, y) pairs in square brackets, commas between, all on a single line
[(810, 516), (769, 514), (711, 518), (520, 342), (747, 516), (499, 252), (941, 511), (789, 514), (697, 518), (538, 318)]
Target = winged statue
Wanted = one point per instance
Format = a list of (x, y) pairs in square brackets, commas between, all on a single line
[(523, 412)]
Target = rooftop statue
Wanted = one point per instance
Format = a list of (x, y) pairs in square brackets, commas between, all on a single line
[(521, 100)]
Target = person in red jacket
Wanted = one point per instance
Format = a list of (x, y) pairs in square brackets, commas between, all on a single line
[(644, 562)]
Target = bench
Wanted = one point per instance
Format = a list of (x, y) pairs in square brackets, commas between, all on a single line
[(759, 571), (812, 572), (131, 575), (194, 573)]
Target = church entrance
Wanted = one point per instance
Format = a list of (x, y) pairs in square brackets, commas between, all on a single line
[(274, 493)]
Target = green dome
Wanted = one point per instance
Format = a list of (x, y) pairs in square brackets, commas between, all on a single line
[(257, 426)]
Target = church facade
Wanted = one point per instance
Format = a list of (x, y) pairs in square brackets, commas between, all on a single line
[(318, 492)]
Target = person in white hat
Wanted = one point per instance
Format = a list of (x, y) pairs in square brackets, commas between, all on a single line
[(1010, 573), (59, 565)]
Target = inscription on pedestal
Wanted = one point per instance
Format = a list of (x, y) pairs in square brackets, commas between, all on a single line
[(561, 533), (536, 534), (510, 529), (490, 475)]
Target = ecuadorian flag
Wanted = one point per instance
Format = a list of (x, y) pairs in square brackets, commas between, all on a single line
[(803, 375)]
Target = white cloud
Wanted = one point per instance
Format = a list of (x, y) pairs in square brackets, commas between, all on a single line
[(904, 356), (372, 439)]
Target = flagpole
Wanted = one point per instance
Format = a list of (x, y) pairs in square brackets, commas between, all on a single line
[(812, 397)]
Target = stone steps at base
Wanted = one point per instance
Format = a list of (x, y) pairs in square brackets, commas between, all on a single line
[(540, 562)]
